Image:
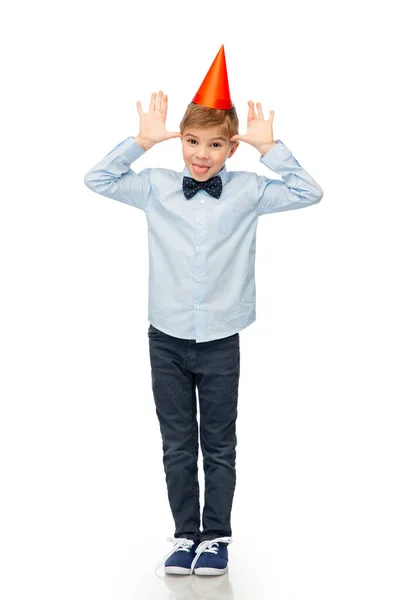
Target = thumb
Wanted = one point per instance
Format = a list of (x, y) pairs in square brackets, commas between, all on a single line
[(235, 138), (174, 134)]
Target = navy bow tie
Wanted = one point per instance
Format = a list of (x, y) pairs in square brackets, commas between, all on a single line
[(213, 186)]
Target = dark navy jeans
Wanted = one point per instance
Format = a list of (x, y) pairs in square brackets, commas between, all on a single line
[(178, 366)]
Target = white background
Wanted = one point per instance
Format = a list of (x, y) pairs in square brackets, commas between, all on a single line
[(83, 504)]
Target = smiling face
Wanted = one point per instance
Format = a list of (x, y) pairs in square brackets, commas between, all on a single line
[(205, 151)]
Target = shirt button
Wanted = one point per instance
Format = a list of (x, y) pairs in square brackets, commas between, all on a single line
[(202, 201)]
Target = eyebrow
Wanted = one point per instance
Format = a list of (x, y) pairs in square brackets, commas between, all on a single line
[(220, 137)]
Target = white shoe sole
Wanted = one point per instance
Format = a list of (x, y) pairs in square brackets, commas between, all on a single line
[(209, 571), (177, 570)]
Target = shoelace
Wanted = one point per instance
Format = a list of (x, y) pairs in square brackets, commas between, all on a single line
[(209, 546), (183, 544)]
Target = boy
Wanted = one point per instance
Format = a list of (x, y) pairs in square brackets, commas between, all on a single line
[(202, 230)]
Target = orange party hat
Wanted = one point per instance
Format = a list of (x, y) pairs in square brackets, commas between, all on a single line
[(214, 91)]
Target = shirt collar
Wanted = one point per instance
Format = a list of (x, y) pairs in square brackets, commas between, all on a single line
[(223, 173)]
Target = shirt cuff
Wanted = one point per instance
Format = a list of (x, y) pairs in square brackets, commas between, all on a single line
[(276, 156)]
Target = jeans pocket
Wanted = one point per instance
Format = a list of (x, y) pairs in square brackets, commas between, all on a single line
[(153, 332)]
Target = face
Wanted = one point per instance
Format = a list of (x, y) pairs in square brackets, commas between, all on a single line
[(205, 151)]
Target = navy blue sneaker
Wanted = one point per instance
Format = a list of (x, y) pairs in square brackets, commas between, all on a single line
[(179, 560), (212, 557)]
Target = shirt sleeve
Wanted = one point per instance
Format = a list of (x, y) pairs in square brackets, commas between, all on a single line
[(297, 190), (112, 176)]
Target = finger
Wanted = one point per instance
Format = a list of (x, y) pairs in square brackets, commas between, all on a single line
[(238, 138), (164, 105), (260, 111), (251, 114), (174, 134), (139, 107), (152, 101), (271, 115), (158, 101)]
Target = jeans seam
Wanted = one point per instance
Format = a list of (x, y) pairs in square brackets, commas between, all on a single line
[(194, 424)]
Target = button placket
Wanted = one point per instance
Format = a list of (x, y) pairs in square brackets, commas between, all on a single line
[(200, 260)]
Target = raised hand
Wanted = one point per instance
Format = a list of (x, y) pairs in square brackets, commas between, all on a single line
[(259, 130), (152, 123)]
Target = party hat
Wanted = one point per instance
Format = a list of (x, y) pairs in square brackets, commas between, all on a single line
[(214, 91)]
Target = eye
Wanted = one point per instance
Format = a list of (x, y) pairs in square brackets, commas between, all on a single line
[(213, 144)]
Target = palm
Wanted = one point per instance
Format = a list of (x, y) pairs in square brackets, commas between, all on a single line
[(152, 123), (259, 130)]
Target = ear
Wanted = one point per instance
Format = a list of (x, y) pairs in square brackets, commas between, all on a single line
[(233, 149)]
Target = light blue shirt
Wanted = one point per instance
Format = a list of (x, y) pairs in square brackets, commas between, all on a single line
[(202, 251)]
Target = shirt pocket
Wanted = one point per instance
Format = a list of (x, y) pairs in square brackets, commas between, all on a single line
[(233, 215)]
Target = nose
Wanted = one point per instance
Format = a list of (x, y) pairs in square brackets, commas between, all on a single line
[(202, 152)]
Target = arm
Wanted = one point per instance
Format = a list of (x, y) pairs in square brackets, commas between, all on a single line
[(297, 190), (113, 178)]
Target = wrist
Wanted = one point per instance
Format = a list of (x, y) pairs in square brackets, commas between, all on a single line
[(265, 147), (144, 144)]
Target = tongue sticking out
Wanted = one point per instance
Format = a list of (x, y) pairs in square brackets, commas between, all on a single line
[(200, 170)]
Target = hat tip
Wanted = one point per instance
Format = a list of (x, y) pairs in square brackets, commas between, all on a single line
[(214, 90)]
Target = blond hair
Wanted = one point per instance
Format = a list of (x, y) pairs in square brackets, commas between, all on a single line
[(204, 116)]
